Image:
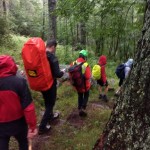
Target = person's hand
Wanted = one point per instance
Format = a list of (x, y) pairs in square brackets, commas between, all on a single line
[(32, 133), (63, 70)]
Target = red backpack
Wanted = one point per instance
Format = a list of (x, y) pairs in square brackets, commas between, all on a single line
[(76, 73), (36, 64), (76, 76)]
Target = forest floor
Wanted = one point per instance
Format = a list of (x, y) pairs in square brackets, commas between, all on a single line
[(73, 120), (70, 131)]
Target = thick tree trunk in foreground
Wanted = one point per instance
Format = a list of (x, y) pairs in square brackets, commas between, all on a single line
[(129, 124)]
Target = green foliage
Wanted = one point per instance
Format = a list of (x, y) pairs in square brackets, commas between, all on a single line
[(12, 46), (4, 31), (26, 18), (65, 54), (112, 27), (3, 26)]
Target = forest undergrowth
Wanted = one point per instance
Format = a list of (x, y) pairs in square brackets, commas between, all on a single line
[(70, 132)]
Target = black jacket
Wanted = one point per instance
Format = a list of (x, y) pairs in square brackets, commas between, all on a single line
[(56, 72)]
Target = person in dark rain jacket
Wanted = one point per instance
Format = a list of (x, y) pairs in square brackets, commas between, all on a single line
[(50, 94), (17, 112)]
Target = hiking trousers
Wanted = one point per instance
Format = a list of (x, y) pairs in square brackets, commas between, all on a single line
[(121, 82), (83, 99), (17, 129), (49, 100)]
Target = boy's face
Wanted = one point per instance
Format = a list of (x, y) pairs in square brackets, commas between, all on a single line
[(52, 49)]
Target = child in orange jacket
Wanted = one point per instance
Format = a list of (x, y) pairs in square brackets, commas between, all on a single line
[(102, 82)]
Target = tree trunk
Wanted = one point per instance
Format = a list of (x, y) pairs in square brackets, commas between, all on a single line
[(99, 41), (52, 18), (116, 45), (99, 45), (83, 34), (111, 46), (43, 22), (4, 7), (77, 35), (129, 124)]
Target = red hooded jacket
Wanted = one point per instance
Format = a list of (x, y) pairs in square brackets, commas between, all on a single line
[(102, 62), (87, 76), (15, 97)]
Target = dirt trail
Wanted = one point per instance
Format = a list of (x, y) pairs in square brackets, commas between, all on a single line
[(73, 119)]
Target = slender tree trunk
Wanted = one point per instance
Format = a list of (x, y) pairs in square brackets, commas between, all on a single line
[(4, 8), (111, 46), (66, 31), (116, 45), (77, 35), (129, 124), (73, 37), (98, 46), (43, 23), (52, 18), (83, 34), (100, 39)]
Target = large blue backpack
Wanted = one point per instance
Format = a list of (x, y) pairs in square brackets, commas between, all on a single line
[(120, 71)]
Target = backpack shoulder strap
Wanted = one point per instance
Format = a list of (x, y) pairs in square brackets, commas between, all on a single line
[(85, 64), (77, 63), (74, 63)]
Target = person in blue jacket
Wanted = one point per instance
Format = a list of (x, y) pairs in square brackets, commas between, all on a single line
[(127, 69)]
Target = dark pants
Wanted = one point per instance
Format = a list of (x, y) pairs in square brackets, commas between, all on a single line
[(49, 100), (17, 129), (100, 82), (121, 82), (82, 100)]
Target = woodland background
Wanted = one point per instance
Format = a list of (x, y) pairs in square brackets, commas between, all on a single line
[(103, 26)]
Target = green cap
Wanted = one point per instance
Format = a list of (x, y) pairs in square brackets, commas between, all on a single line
[(84, 53)]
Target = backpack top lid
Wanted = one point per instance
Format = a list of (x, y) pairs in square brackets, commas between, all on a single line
[(120, 71)]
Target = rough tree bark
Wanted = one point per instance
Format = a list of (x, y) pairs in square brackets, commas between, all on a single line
[(129, 124), (4, 8), (83, 33), (52, 18), (43, 22)]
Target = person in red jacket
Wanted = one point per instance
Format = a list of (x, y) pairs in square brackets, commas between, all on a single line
[(17, 112), (83, 91), (103, 80)]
